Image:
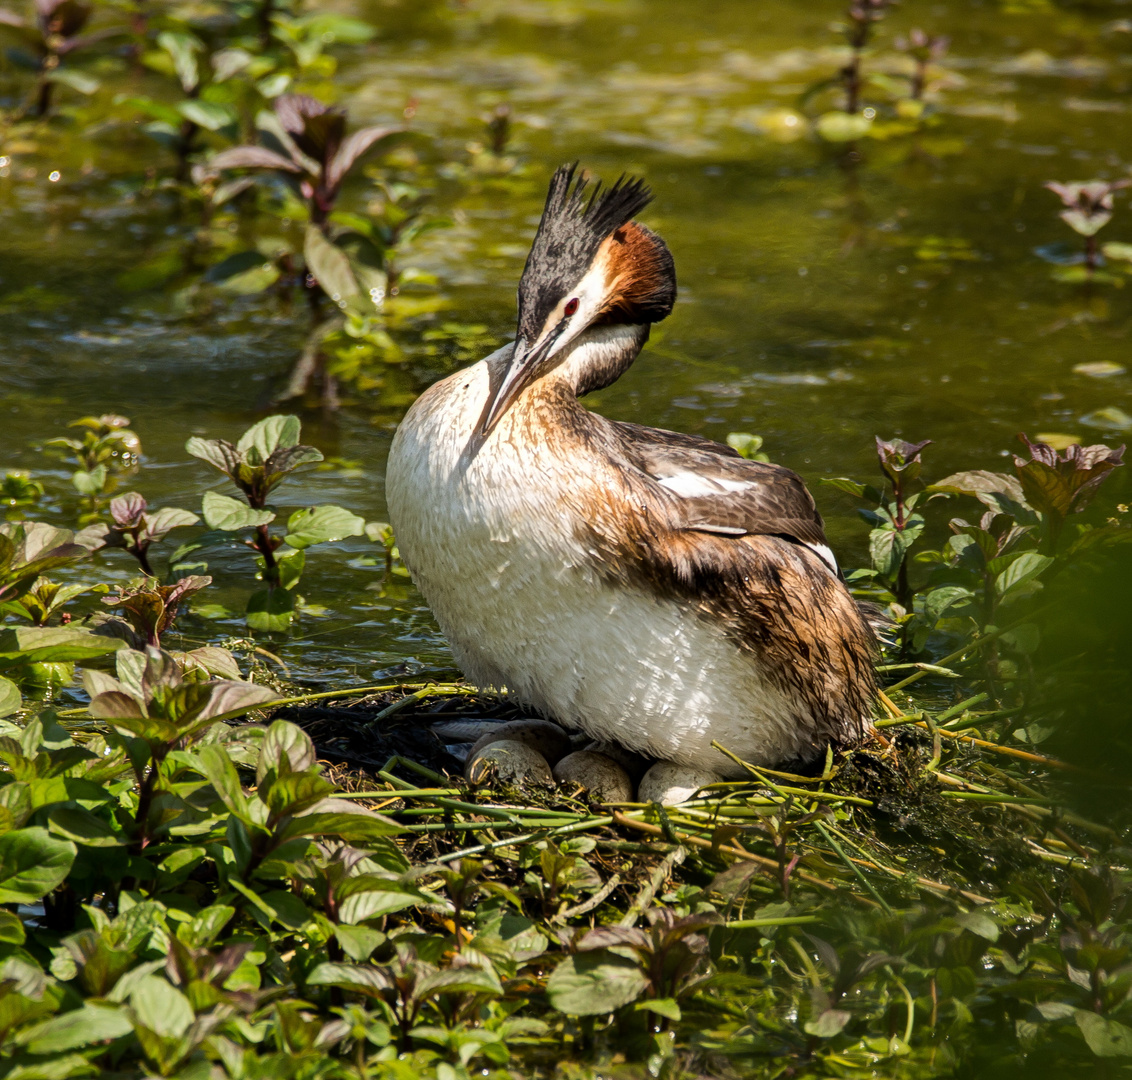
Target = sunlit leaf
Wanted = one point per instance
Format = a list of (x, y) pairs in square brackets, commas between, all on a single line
[(269, 435), (1105, 1037), (229, 515), (10, 699), (85, 1026), (32, 863), (593, 983), (321, 524), (353, 148)]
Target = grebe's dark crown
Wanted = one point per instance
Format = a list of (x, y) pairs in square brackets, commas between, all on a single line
[(569, 235)]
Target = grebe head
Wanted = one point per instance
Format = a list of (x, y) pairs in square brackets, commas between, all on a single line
[(590, 266)]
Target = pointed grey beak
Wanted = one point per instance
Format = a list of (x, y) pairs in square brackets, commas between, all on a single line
[(523, 369)]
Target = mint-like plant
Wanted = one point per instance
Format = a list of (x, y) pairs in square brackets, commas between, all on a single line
[(54, 33), (265, 455), (134, 528)]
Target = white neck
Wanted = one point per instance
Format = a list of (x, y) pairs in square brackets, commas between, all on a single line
[(599, 356)]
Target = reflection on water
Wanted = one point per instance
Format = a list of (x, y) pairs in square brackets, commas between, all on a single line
[(827, 294)]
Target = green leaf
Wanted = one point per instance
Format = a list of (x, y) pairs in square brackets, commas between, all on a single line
[(83, 827), (84, 1026), (239, 263), (828, 1023), (1025, 568), (271, 610), (371, 896), (286, 749), (322, 524), (887, 548), (746, 445), (842, 126), (10, 699), (183, 49), (592, 983), (161, 1007), (938, 601), (270, 434), (1106, 1038), (207, 114), (330, 267), (362, 979), (287, 909), (358, 942), (216, 452), (466, 980), (979, 924), (665, 1007), (12, 929), (224, 512), (290, 568), (76, 80), (350, 823), (295, 792), (32, 863), (89, 483)]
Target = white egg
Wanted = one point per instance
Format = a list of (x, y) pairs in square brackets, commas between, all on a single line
[(601, 777), (670, 784), (508, 762)]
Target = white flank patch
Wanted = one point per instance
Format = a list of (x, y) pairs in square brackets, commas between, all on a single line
[(690, 485)]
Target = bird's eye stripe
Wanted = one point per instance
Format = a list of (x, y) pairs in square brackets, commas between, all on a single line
[(571, 306)]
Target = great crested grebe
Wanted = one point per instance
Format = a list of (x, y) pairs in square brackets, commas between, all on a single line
[(654, 589)]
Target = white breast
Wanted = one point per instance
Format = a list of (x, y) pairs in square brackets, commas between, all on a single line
[(492, 543)]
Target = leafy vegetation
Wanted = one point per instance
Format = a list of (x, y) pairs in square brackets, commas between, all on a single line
[(188, 889)]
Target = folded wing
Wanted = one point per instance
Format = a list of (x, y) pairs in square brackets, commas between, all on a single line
[(718, 492)]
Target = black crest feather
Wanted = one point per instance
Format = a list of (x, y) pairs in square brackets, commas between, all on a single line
[(570, 232)]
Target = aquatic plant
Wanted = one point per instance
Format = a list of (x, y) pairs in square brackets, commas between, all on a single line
[(862, 16), (134, 528), (107, 451), (1088, 208), (924, 49), (177, 126), (343, 258), (988, 565), (177, 892), (264, 456), (54, 33)]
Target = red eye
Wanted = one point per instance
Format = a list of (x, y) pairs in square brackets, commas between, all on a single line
[(571, 306)]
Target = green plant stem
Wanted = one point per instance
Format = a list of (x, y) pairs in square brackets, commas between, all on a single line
[(856, 870), (975, 643)]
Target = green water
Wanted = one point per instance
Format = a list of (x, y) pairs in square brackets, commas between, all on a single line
[(827, 294)]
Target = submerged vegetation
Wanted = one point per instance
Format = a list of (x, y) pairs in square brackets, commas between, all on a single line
[(220, 858)]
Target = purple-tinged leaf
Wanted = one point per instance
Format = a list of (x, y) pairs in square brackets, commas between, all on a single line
[(116, 705), (159, 524), (317, 129), (219, 453), (126, 510), (897, 456), (228, 699), (1061, 484), (253, 157), (286, 749), (353, 148)]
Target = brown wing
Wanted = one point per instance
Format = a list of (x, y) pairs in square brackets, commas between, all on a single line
[(713, 490)]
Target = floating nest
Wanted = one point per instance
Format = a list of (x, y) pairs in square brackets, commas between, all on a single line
[(901, 813)]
